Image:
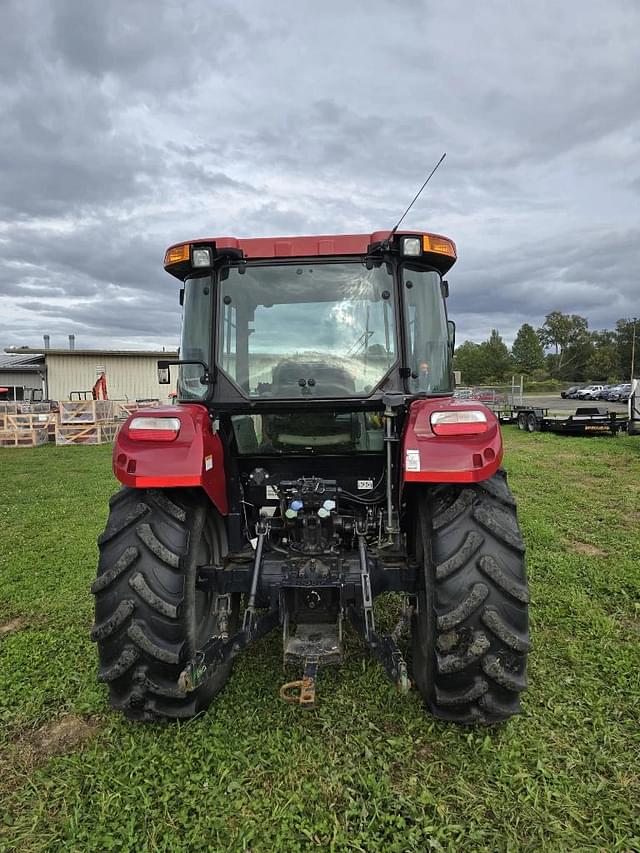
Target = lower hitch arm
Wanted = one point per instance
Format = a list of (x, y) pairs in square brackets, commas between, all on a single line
[(384, 646), (386, 650), (220, 650)]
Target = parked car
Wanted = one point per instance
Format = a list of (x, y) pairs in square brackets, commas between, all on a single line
[(605, 390), (611, 392), (622, 393), (569, 392), (589, 393)]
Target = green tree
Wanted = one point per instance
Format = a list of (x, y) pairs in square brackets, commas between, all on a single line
[(603, 362), (568, 335), (527, 351), (495, 358), (468, 360), (624, 335)]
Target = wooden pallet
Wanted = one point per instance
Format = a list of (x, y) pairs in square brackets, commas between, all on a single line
[(123, 410), (26, 421), (19, 408), (85, 433), (24, 437), (86, 411)]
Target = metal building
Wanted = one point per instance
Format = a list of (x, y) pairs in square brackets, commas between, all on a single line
[(130, 374), (21, 375)]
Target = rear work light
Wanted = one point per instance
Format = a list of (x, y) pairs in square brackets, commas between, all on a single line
[(201, 258), (411, 246), (154, 429), (465, 422)]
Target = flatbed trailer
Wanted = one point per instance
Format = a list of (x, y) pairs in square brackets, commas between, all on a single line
[(587, 420)]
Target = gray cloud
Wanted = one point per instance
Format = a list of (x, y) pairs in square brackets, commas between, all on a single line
[(128, 126)]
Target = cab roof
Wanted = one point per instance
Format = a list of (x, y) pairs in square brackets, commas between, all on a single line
[(441, 251)]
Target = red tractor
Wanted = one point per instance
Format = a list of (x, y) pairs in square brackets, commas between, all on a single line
[(316, 458)]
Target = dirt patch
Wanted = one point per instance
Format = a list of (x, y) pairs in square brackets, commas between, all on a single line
[(589, 550), (57, 738), (12, 625)]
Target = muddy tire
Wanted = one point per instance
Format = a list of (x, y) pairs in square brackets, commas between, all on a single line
[(150, 613), (470, 633)]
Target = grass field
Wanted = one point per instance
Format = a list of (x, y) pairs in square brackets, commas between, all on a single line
[(368, 770)]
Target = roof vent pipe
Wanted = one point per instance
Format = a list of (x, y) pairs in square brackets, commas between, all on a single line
[(47, 341), (72, 341)]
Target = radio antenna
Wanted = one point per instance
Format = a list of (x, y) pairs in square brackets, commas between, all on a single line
[(433, 171)]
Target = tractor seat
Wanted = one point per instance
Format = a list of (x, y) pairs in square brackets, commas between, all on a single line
[(312, 379), (335, 430)]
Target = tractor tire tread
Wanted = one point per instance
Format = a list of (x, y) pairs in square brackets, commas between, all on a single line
[(165, 503), (126, 659), (111, 531), (142, 626), (494, 622), (112, 623), (137, 634), (503, 578), (464, 696), (474, 599), (450, 513), (472, 542), (470, 629), (138, 583), (124, 561), (148, 537), (493, 525)]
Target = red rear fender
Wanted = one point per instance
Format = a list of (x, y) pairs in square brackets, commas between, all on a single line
[(453, 458), (194, 458)]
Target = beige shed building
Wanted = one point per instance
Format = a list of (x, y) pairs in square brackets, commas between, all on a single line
[(130, 374)]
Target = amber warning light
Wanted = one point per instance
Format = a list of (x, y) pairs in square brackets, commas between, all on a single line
[(176, 254)]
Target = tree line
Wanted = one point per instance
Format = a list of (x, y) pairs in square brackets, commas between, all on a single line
[(563, 348)]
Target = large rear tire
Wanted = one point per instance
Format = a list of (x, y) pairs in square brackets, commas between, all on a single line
[(470, 632), (151, 615)]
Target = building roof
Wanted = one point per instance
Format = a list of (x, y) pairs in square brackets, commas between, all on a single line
[(136, 353), (22, 362)]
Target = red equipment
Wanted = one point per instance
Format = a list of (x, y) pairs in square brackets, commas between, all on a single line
[(99, 390)]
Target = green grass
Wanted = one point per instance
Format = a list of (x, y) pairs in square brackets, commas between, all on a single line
[(368, 770)]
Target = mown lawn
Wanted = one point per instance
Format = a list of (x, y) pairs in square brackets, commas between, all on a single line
[(368, 770)]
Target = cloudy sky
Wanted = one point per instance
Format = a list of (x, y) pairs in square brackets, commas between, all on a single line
[(127, 126)]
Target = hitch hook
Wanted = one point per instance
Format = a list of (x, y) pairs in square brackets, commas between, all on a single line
[(303, 691)]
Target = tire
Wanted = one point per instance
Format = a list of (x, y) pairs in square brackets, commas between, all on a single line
[(470, 634), (150, 614), (532, 422), (522, 420)]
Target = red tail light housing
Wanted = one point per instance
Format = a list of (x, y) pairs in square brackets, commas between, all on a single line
[(149, 428), (462, 422)]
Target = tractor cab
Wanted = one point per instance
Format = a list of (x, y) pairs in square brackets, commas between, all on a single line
[(321, 328)]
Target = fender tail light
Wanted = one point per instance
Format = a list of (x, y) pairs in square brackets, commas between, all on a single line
[(465, 422), (146, 428)]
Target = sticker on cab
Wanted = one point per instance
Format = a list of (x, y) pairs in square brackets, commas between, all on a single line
[(208, 463), (365, 485), (412, 460)]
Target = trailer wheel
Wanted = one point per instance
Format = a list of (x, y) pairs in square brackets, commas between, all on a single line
[(151, 615), (522, 420), (470, 629), (532, 422)]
